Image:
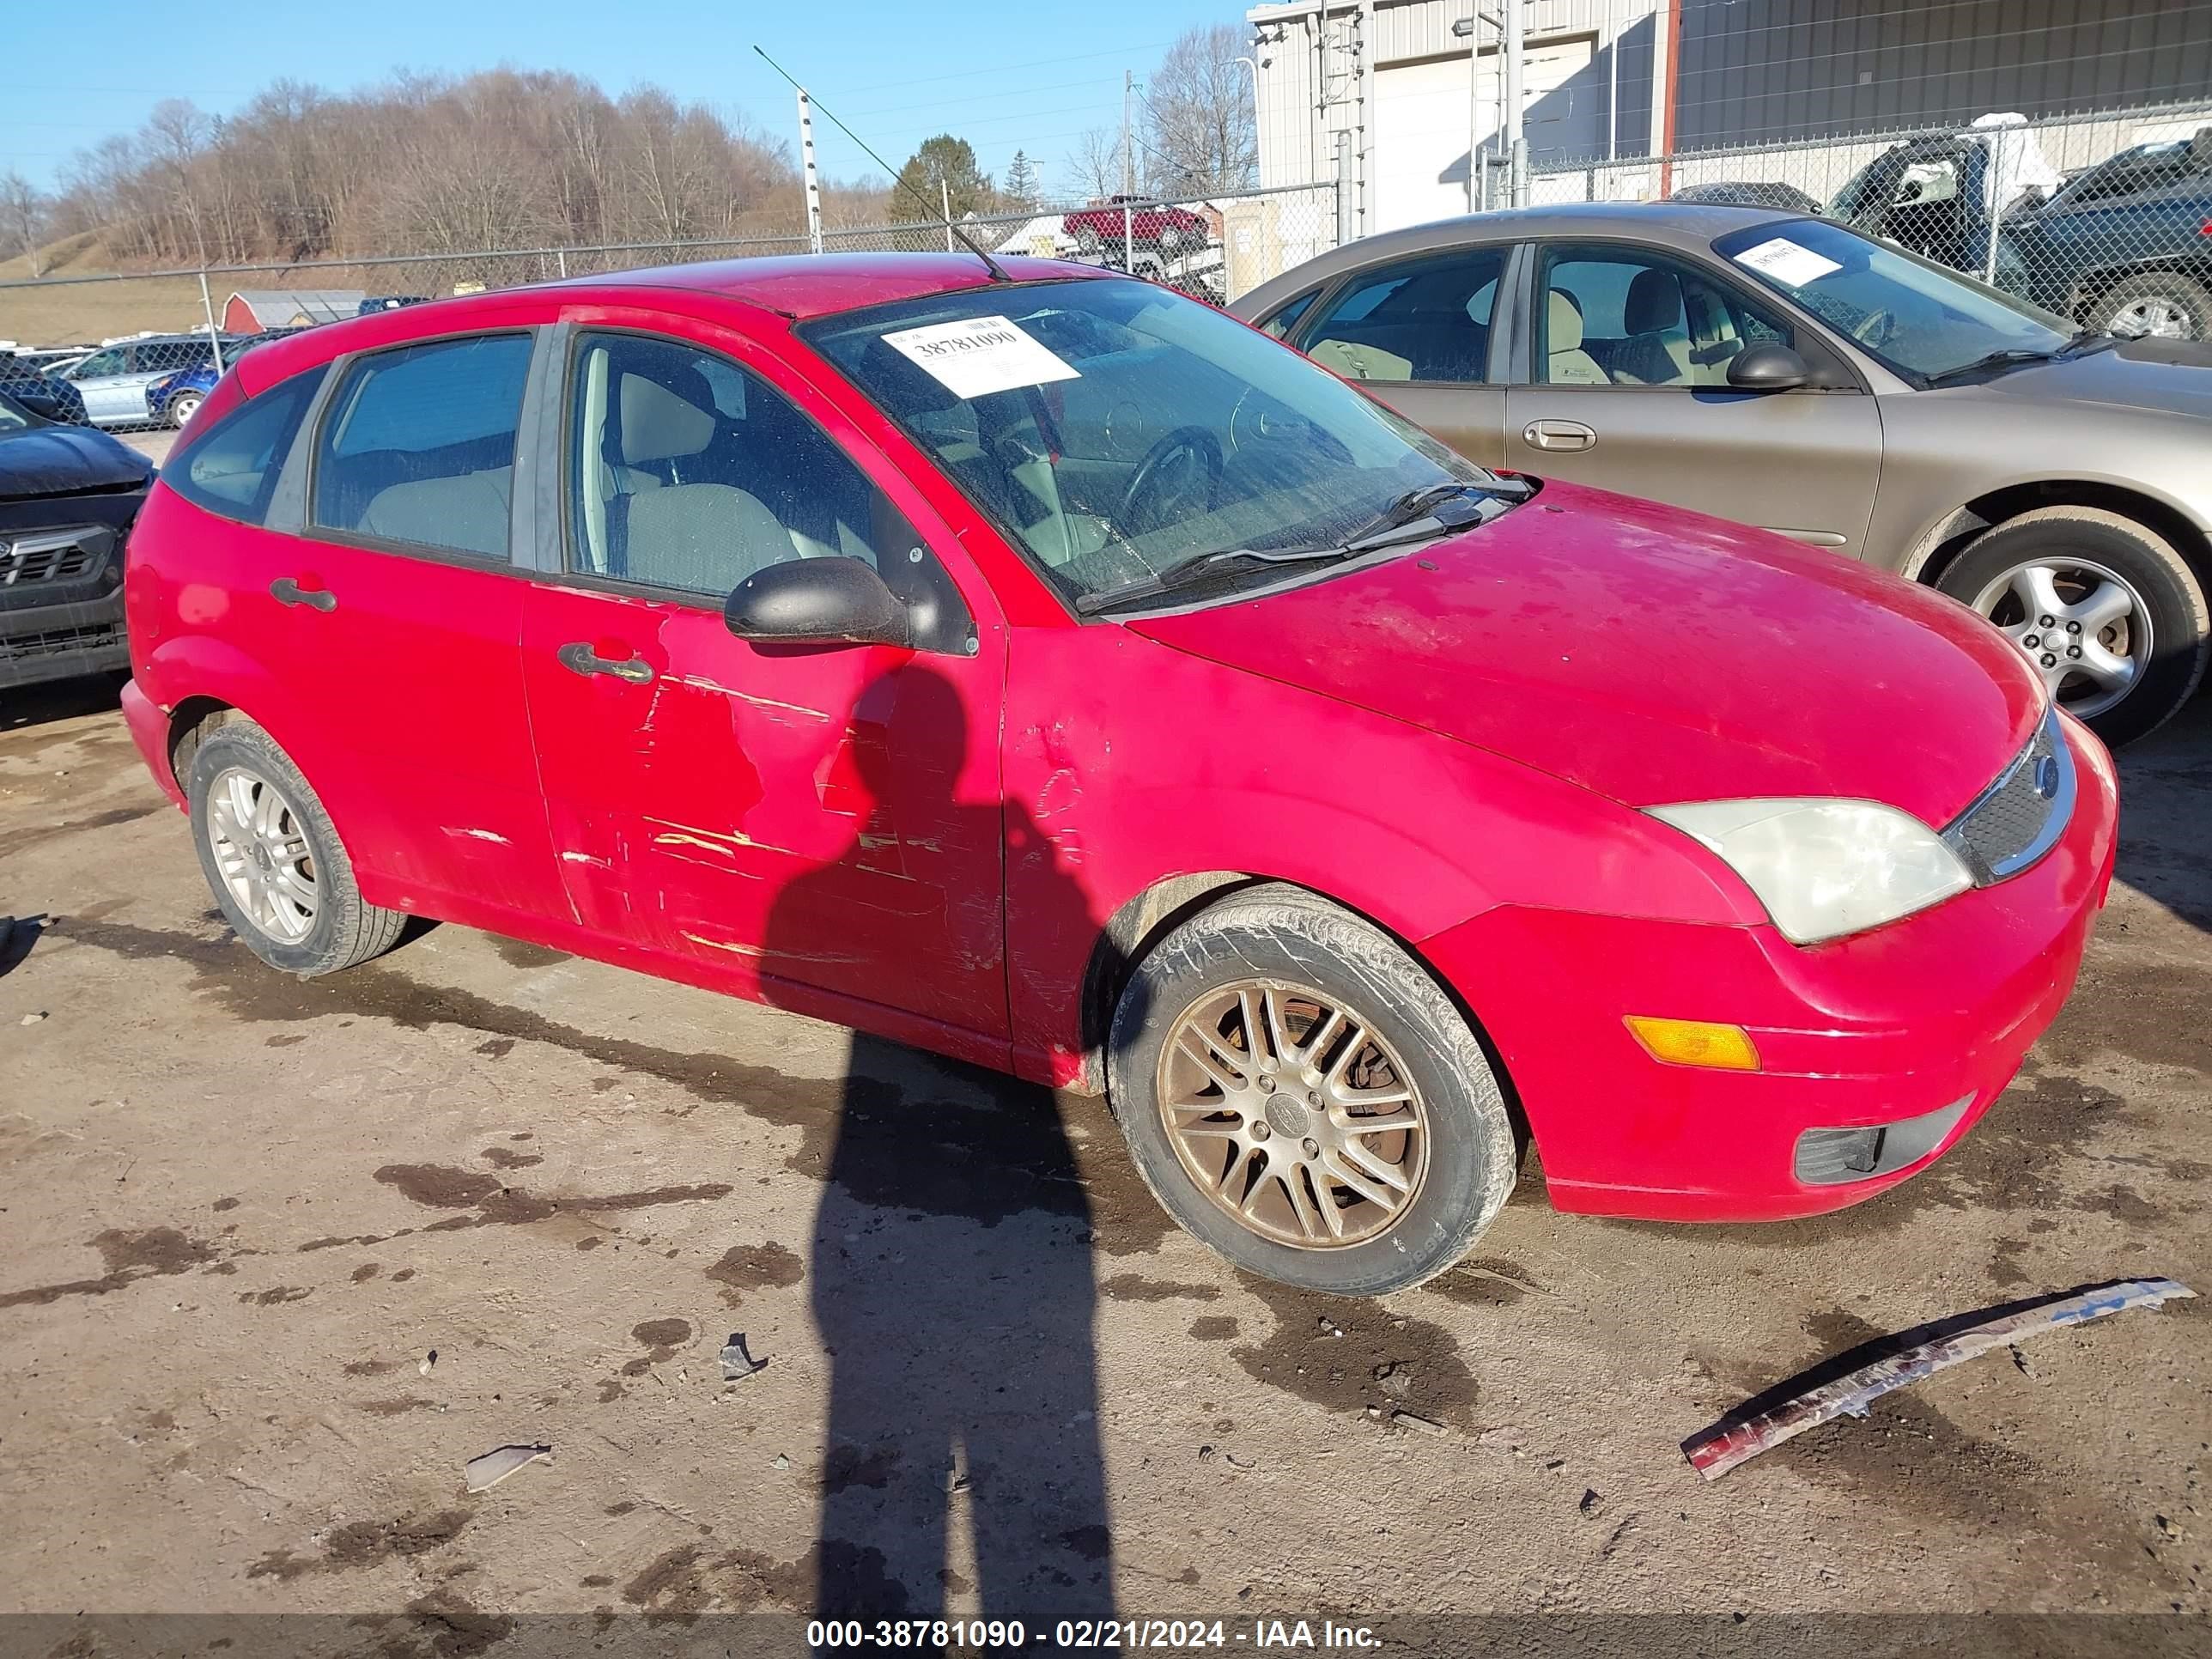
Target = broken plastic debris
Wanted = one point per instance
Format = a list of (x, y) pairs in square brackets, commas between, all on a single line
[(1784, 1413), (1418, 1424), (736, 1363), (486, 1471), (427, 1360)]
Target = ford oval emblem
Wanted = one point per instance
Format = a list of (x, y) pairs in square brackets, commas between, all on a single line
[(2046, 777)]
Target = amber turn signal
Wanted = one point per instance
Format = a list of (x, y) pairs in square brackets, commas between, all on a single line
[(1695, 1043)]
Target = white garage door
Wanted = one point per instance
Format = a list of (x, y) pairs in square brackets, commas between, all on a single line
[(1421, 124)]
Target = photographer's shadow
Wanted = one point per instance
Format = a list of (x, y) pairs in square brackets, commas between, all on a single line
[(950, 1275)]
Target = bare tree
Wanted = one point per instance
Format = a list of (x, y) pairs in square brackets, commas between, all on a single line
[(1094, 166), (22, 218), (1199, 129)]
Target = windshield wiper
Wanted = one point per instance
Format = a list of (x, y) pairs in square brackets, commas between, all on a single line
[(1192, 572), (1423, 503), (1417, 515), (2004, 357)]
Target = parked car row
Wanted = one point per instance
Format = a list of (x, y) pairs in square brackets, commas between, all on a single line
[(1031, 663)]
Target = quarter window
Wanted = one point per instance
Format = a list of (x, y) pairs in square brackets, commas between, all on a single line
[(689, 472), (419, 446), (1420, 319), (231, 469), (1622, 317)]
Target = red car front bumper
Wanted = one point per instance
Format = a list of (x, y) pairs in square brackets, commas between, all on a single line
[(1928, 1012)]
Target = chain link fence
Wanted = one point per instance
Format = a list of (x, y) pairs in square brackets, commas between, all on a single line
[(103, 347), (2105, 218)]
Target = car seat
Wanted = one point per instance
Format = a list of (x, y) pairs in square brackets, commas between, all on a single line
[(1567, 363), (1657, 349)]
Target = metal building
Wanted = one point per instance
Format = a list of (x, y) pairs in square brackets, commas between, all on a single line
[(1383, 95)]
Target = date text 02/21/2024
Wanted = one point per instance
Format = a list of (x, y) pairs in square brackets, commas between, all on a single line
[(1259, 1636)]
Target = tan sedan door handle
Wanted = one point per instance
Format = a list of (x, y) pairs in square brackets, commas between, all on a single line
[(1558, 434)]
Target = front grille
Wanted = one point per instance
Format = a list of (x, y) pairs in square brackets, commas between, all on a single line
[(58, 642), (2019, 817), (53, 556)]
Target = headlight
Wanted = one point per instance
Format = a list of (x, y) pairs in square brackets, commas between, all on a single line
[(1824, 868)]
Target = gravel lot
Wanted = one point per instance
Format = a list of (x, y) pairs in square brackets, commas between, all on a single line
[(241, 1213)]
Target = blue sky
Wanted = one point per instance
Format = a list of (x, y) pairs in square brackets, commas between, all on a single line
[(1000, 73)]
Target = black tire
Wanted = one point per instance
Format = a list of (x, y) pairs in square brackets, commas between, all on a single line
[(182, 408), (2180, 628), (346, 931), (2185, 295), (1286, 933)]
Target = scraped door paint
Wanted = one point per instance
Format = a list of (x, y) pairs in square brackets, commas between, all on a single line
[(824, 817)]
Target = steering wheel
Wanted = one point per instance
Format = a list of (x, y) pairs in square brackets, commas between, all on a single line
[(1874, 327), (1177, 478)]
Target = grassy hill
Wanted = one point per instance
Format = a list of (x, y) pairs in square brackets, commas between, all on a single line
[(71, 314)]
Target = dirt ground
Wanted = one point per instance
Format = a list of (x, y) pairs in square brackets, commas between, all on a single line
[(281, 1256)]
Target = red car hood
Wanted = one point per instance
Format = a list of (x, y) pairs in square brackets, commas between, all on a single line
[(1653, 655)]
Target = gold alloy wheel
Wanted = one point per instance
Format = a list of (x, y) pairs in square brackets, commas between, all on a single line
[(1292, 1114)]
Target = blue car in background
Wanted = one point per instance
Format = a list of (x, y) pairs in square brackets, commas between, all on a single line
[(174, 399)]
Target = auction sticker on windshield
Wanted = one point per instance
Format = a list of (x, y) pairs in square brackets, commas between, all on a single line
[(1787, 262), (979, 356)]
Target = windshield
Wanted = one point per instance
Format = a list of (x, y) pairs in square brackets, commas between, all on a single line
[(1117, 431), (1921, 319)]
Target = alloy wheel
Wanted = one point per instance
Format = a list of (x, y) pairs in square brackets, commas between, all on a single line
[(261, 851), (2082, 625), (1293, 1115), (2153, 317)]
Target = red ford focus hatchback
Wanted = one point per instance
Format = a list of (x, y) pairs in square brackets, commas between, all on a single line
[(1043, 668)]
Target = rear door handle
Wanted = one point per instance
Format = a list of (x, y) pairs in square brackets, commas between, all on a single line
[(1558, 434), (579, 658), (285, 591)]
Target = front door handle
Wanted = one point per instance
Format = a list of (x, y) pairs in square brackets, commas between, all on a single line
[(578, 657), (1559, 435), (285, 591)]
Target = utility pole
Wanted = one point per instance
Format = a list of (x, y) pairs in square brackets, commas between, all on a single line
[(1128, 153), (1516, 144), (813, 181)]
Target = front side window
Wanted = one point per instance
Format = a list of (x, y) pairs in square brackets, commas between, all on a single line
[(418, 444), (1419, 319), (1117, 431), (109, 361), (167, 356), (1280, 325), (231, 469), (689, 472), (1613, 316), (1920, 319)]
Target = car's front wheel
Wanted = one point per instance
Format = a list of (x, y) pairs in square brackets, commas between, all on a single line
[(1302, 1096), (2105, 609), (273, 859), (183, 407), (2157, 304)]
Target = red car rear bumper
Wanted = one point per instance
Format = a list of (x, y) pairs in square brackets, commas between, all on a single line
[(1932, 1012), (149, 729)]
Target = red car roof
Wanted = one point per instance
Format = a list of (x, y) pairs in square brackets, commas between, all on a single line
[(798, 286)]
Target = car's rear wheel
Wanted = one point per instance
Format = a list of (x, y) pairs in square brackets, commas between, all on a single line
[(273, 859), (2106, 610), (1302, 1097), (2158, 304), (183, 407)]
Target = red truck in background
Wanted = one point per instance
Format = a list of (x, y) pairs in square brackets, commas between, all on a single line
[(1153, 225)]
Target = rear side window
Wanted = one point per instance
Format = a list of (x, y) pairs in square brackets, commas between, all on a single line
[(418, 444), (231, 469), (1421, 319)]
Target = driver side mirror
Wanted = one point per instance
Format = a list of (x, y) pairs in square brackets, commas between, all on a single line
[(1768, 367), (826, 601)]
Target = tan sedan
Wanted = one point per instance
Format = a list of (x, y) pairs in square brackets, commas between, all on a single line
[(1794, 374)]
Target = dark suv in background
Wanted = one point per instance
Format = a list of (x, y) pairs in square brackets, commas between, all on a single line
[(46, 396)]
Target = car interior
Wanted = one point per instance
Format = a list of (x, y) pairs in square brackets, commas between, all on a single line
[(1429, 320), (1622, 322), (692, 474)]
